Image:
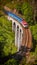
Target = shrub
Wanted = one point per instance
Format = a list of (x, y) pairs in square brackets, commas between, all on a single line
[(27, 12), (6, 38), (11, 62)]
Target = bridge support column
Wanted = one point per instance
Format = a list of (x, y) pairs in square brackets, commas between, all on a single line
[(19, 39), (16, 36)]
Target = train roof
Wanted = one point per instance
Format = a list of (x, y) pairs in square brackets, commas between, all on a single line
[(14, 16), (24, 23)]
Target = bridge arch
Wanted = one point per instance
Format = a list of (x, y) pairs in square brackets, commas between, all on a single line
[(17, 28), (14, 26), (22, 32)]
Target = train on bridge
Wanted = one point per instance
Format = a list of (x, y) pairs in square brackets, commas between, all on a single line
[(23, 36)]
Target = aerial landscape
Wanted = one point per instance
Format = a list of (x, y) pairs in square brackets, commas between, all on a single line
[(18, 32)]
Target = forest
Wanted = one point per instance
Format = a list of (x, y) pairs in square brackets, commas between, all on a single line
[(7, 36)]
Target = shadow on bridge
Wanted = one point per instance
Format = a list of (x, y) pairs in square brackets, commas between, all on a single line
[(17, 56)]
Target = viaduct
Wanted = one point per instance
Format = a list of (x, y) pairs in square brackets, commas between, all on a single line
[(23, 36)]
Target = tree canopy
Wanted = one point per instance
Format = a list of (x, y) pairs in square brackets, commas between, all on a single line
[(6, 37)]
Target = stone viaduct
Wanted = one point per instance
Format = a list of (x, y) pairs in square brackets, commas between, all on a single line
[(23, 36)]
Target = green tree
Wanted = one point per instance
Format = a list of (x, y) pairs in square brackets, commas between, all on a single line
[(6, 38), (11, 62), (27, 12)]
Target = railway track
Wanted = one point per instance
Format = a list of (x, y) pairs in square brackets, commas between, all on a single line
[(22, 25)]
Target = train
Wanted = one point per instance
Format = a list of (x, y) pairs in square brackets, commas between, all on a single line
[(26, 43)]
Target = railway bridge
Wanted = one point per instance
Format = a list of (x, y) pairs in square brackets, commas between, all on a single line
[(23, 36)]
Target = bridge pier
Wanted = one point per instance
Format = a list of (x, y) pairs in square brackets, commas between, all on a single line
[(18, 37), (19, 26), (16, 27)]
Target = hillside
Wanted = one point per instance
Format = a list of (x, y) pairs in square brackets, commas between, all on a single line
[(7, 39)]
